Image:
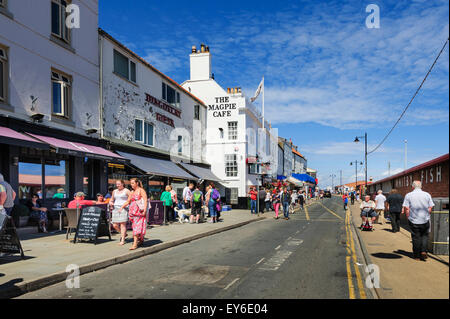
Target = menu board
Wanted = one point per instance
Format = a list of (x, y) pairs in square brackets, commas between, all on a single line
[(156, 213), (92, 224), (9, 240)]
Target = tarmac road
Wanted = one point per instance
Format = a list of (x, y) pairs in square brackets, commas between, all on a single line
[(304, 257)]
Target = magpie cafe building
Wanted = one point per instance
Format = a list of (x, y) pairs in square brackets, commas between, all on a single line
[(236, 142)]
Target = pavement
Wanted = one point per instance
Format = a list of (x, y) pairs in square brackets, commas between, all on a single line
[(48, 255), (305, 257), (401, 277)]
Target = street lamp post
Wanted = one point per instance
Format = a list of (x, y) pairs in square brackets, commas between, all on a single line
[(332, 181), (365, 156), (356, 172)]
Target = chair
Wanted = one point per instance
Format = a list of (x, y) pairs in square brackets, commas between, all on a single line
[(72, 219)]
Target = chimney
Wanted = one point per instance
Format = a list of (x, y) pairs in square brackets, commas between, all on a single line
[(200, 62), (194, 49)]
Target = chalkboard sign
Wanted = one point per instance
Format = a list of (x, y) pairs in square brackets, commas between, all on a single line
[(9, 240), (92, 224), (156, 213)]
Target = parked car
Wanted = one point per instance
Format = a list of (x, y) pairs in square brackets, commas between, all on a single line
[(327, 194)]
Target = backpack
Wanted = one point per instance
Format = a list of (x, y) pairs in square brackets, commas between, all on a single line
[(215, 194), (196, 196)]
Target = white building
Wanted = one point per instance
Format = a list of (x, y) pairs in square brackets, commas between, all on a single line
[(148, 116), (233, 140)]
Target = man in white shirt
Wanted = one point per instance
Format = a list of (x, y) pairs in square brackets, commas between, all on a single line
[(417, 207), (187, 195), (380, 199)]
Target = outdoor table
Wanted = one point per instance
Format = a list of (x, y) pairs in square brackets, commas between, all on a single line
[(60, 211)]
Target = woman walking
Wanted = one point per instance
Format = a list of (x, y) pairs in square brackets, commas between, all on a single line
[(166, 198), (276, 202), (268, 200), (212, 202), (138, 212), (120, 215)]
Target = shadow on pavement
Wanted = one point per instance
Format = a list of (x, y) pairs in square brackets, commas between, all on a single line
[(386, 255), (9, 289), (405, 253), (11, 259)]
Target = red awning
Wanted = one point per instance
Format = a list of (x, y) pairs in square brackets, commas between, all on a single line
[(11, 137), (78, 149)]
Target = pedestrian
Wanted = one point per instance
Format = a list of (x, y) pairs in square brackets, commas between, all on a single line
[(253, 197), (138, 212), (285, 198), (8, 202), (173, 194), (60, 194), (301, 200), (345, 200), (187, 195), (352, 198), (293, 201), (394, 206), (380, 200), (166, 198), (120, 217), (268, 200), (262, 198), (368, 211), (196, 204), (417, 207), (276, 202), (38, 212), (207, 197), (213, 200)]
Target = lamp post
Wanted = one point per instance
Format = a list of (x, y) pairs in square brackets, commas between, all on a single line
[(365, 157), (356, 172), (332, 181)]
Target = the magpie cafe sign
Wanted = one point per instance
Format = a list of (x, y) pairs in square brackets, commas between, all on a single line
[(166, 107), (222, 107)]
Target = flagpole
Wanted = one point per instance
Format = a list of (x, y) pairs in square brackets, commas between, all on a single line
[(264, 89)]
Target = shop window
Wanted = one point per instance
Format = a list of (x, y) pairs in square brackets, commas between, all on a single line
[(124, 67), (180, 144), (232, 131), (56, 180), (3, 73), (253, 168), (3, 4), (61, 94), (231, 166), (170, 95), (221, 133), (143, 132), (234, 195), (30, 180), (59, 16)]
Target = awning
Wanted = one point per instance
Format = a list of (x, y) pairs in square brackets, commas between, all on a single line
[(79, 149), (153, 166), (294, 181), (305, 178), (11, 137), (201, 173), (281, 177)]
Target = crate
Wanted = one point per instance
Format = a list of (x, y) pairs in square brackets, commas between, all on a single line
[(226, 208), (439, 228)]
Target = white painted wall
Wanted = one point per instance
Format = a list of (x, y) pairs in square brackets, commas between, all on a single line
[(32, 55), (124, 101)]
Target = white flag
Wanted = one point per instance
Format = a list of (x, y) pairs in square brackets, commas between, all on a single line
[(258, 91)]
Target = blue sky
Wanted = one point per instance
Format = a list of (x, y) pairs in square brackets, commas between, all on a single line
[(328, 77)]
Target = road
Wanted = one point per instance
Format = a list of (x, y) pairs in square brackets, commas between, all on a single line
[(312, 255)]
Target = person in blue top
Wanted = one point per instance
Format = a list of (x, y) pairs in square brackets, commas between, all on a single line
[(285, 201)]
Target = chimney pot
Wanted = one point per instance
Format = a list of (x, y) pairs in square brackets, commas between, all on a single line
[(202, 48), (194, 49), (228, 90), (207, 48)]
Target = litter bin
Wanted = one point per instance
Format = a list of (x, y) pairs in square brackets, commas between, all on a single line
[(438, 240)]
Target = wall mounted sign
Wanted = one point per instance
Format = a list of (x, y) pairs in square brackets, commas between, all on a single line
[(166, 107), (223, 107), (165, 119)]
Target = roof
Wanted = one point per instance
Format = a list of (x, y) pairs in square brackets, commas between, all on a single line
[(297, 152), (110, 37), (437, 160)]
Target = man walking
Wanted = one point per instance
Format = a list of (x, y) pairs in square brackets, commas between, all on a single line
[(8, 203), (285, 201), (380, 199), (253, 197), (196, 204), (417, 207), (394, 207), (352, 197), (262, 198), (187, 195)]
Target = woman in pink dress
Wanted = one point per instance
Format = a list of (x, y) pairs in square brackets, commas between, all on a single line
[(138, 212)]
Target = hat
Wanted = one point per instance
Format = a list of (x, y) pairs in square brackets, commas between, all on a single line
[(61, 190), (80, 194)]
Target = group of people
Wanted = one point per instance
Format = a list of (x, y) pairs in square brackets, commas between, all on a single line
[(416, 205), (273, 199), (193, 199)]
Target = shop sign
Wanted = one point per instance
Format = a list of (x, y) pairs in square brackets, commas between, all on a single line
[(165, 119), (166, 107), (222, 107)]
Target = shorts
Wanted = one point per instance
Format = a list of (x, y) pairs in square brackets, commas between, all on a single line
[(371, 214), (196, 209)]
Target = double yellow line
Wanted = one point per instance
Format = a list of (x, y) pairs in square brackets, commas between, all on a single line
[(351, 255)]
